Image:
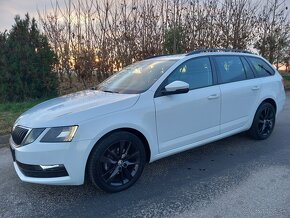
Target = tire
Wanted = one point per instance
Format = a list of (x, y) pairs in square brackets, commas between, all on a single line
[(264, 122), (117, 162)]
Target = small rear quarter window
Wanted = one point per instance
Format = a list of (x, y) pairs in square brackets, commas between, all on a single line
[(261, 68)]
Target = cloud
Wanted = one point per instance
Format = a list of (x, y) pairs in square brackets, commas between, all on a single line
[(10, 8)]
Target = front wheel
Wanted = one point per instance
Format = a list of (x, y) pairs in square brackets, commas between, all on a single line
[(264, 122), (117, 162)]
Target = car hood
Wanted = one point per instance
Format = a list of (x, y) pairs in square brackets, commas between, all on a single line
[(74, 108)]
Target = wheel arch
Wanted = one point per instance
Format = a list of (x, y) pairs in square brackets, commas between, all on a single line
[(141, 137), (253, 130), (270, 101), (131, 130), (264, 100)]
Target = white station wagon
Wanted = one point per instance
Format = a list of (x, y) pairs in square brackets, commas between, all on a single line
[(151, 109)]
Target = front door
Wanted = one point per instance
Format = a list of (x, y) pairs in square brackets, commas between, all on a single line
[(183, 119)]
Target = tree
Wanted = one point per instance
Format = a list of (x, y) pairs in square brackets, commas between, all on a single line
[(174, 41), (3, 75), (274, 35), (95, 38), (27, 63)]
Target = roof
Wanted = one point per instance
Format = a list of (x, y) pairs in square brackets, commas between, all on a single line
[(167, 57), (207, 50), (203, 52)]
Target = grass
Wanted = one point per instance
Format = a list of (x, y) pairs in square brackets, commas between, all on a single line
[(286, 77), (10, 111)]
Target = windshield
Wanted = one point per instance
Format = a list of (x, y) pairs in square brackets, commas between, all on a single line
[(136, 78)]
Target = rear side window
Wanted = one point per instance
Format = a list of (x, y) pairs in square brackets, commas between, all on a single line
[(196, 72), (230, 69), (261, 68)]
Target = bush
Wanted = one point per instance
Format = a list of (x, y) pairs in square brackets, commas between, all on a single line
[(26, 63)]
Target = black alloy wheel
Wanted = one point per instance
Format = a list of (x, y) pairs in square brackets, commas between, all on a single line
[(264, 122), (120, 162), (117, 162)]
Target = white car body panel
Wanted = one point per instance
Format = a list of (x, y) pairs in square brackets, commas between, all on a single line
[(83, 105), (170, 124), (239, 100), (177, 117)]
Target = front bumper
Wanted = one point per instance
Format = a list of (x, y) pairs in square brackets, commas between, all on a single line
[(51, 163)]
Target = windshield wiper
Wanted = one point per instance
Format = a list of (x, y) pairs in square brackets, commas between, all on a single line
[(109, 91)]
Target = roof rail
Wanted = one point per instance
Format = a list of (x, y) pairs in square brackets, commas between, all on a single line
[(218, 50), (156, 56)]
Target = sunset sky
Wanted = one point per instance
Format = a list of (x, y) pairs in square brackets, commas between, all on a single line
[(9, 8)]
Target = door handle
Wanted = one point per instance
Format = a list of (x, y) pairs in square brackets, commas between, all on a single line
[(254, 88), (214, 96)]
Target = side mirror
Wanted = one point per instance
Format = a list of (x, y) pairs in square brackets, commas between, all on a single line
[(176, 87)]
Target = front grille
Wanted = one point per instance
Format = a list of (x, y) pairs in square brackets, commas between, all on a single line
[(18, 134)]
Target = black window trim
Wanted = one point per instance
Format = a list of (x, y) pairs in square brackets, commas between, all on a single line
[(244, 60), (254, 69), (251, 66), (158, 92)]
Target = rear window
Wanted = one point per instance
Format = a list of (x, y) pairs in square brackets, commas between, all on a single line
[(261, 68), (230, 69)]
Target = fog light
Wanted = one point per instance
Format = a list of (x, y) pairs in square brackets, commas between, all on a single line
[(51, 167)]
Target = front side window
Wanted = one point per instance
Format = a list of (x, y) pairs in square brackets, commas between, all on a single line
[(261, 68), (230, 69), (196, 72), (137, 77)]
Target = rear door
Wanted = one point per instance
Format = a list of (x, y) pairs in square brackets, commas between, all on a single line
[(183, 119), (239, 90)]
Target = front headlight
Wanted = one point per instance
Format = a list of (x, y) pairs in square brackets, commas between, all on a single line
[(60, 134), (33, 135)]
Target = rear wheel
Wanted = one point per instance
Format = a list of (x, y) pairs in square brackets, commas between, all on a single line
[(117, 162), (264, 122)]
